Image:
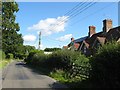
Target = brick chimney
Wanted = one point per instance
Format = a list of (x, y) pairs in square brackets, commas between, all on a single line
[(91, 30), (107, 25)]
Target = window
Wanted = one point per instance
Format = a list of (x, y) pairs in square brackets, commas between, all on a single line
[(85, 49)]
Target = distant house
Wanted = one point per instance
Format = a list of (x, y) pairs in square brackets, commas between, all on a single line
[(89, 44), (73, 45), (83, 45), (65, 47)]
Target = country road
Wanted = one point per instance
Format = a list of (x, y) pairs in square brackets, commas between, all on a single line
[(18, 75)]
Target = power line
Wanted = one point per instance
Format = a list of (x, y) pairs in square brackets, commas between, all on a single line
[(75, 8), (101, 9), (72, 11), (69, 12), (84, 17), (74, 15), (84, 9), (80, 8)]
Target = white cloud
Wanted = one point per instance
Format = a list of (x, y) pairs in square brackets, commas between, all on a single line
[(65, 37), (50, 25), (29, 38)]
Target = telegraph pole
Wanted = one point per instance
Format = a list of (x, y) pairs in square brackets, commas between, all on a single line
[(39, 41)]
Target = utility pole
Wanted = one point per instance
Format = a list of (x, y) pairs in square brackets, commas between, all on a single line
[(39, 41)]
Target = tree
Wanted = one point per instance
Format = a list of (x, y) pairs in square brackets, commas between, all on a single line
[(11, 40), (28, 49), (0, 25), (23, 51), (51, 49)]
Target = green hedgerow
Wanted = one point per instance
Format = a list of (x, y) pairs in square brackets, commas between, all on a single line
[(105, 66)]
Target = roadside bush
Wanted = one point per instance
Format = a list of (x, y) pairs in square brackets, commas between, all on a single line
[(73, 63), (2, 55), (39, 59), (59, 75), (106, 66), (20, 56), (32, 56), (80, 67), (72, 69), (9, 56), (58, 60), (51, 49)]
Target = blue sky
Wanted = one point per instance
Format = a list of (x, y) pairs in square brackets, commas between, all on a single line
[(56, 27)]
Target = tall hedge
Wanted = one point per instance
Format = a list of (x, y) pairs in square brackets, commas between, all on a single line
[(106, 66), (71, 62), (29, 59)]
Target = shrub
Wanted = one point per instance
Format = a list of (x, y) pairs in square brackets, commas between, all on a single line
[(105, 66), (80, 67), (59, 75), (73, 63), (51, 49), (32, 56), (20, 56), (58, 60), (2, 55), (38, 59), (9, 56)]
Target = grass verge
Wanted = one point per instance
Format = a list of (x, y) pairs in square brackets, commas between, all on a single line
[(62, 77), (4, 62)]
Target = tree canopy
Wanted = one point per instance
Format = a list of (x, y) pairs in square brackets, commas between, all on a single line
[(0, 25), (11, 40), (51, 49)]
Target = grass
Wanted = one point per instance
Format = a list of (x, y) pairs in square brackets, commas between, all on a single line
[(4, 62), (75, 82), (62, 77), (59, 75)]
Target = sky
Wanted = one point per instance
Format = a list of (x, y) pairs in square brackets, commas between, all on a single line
[(59, 21)]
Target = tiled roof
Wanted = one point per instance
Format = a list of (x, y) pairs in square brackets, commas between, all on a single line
[(80, 39)]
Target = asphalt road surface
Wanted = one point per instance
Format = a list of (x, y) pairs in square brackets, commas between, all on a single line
[(18, 75)]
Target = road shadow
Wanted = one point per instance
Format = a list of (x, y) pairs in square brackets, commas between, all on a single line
[(20, 63), (31, 68), (58, 86), (42, 71)]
